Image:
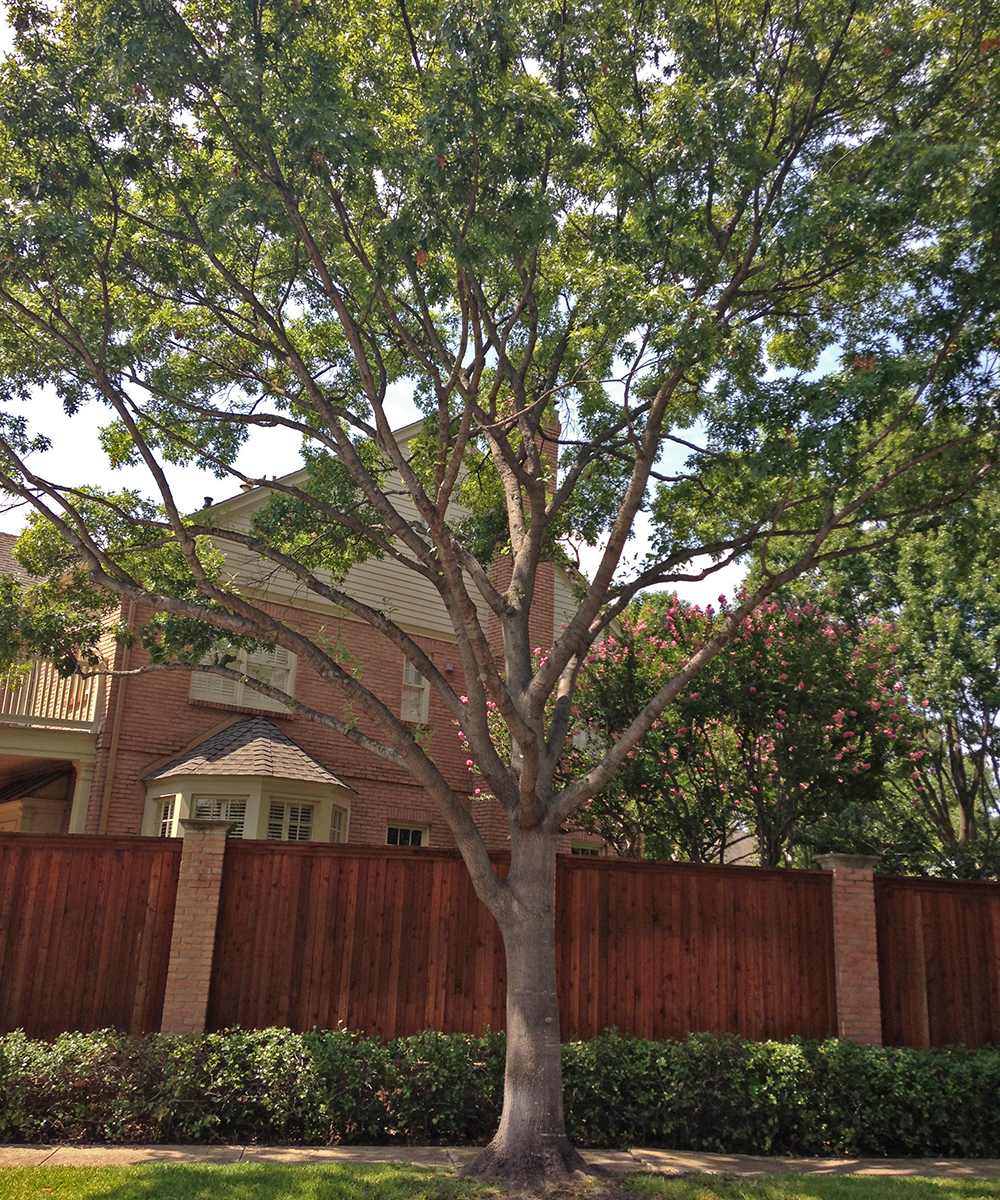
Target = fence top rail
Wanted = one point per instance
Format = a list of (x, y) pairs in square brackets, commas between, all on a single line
[(91, 841), (930, 883), (565, 862)]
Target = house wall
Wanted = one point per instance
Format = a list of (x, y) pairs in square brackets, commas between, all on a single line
[(159, 719)]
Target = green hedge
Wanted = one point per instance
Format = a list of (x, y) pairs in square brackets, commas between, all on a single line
[(705, 1093)]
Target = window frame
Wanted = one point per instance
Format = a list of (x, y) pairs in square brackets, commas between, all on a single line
[(414, 684), (215, 689), (290, 806), (410, 827), (223, 800)]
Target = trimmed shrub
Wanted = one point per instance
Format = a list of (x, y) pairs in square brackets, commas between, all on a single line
[(703, 1093)]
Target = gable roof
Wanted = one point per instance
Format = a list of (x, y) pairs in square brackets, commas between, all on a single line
[(252, 747)]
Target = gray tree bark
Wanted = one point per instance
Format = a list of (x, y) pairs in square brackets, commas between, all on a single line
[(530, 1146)]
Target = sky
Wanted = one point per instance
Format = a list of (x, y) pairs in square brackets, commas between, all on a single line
[(76, 457)]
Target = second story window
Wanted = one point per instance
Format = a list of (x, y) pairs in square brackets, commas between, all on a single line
[(275, 667), (416, 695)]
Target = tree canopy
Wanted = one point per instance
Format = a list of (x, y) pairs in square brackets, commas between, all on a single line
[(940, 588), (739, 262), (790, 729)]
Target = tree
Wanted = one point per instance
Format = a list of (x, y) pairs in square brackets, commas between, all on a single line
[(941, 587), (643, 224), (792, 726)]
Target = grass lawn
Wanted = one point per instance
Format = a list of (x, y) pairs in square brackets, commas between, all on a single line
[(261, 1181), (811, 1187), (236, 1181)]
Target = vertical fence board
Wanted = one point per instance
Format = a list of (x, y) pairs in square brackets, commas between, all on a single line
[(939, 961), (391, 942), (84, 931)]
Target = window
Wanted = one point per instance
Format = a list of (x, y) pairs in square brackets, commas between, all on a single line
[(275, 667), (167, 812), (221, 808), (338, 825), (406, 835), (587, 849), (416, 693), (290, 822)]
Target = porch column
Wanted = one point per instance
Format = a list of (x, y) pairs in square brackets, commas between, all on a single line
[(855, 951), (192, 942), (81, 796)]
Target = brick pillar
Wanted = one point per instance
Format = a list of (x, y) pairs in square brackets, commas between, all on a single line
[(192, 941), (859, 1012)]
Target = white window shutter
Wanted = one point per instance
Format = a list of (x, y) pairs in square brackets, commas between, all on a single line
[(212, 687), (290, 822), (215, 808), (415, 694), (167, 817), (274, 667)]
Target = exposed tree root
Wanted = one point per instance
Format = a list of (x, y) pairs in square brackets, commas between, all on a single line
[(545, 1171)]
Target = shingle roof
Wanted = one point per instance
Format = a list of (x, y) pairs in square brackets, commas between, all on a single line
[(252, 747), (8, 563)]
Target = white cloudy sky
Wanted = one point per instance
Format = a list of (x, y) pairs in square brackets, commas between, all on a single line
[(76, 457)]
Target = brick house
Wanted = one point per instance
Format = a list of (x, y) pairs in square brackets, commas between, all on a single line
[(135, 755)]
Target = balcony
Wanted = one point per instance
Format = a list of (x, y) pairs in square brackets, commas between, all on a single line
[(37, 695)]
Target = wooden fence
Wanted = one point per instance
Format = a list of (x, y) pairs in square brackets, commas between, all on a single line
[(394, 943), (84, 931), (391, 942), (662, 950), (939, 961)]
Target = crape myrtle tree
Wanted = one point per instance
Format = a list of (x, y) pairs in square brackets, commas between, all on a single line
[(792, 725), (643, 223)]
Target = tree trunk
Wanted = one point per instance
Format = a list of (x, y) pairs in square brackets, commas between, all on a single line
[(530, 1148)]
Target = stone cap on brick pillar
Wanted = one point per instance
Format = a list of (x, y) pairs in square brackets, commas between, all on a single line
[(848, 862), (190, 824)]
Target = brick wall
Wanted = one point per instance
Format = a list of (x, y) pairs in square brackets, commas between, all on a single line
[(159, 720)]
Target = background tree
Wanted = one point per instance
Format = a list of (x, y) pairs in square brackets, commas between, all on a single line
[(234, 214), (791, 729), (941, 587)]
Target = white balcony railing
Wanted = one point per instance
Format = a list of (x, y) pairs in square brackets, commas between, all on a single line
[(36, 694)]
